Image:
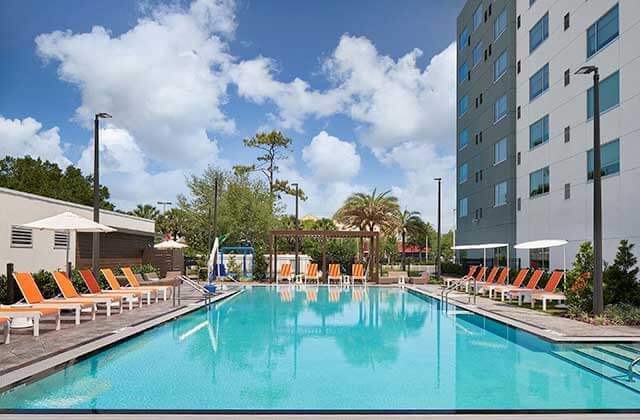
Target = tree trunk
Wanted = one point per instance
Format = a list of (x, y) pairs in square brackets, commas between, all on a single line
[(403, 251)]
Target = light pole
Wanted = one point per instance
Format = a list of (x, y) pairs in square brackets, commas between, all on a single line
[(95, 249), (297, 227), (454, 235), (164, 205), (598, 300), (439, 181)]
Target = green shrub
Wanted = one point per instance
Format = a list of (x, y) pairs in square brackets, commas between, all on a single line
[(620, 278), (622, 314), (579, 282), (453, 268), (4, 292)]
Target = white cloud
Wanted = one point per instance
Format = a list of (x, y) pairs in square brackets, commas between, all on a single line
[(26, 137), (164, 80), (331, 159)]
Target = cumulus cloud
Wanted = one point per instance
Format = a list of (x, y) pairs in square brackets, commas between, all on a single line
[(331, 159), (164, 80), (26, 137)]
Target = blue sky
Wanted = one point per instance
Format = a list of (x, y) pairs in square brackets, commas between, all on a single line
[(365, 89)]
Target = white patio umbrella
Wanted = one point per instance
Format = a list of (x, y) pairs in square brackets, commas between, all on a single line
[(170, 244), (69, 222), (549, 243)]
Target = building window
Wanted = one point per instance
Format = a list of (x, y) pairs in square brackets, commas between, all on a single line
[(477, 17), (478, 214), (476, 101), (519, 112), (567, 134), (463, 106), (539, 82), (462, 72), (480, 137), (519, 158), (539, 182), (518, 21), (500, 25), (462, 39), (539, 258), (500, 66), (60, 240), (531, 2), (500, 108), (21, 237), (463, 173), (609, 94), (567, 77), (609, 159), (519, 204), (463, 139), (481, 99), (539, 132), (500, 194), (500, 151), (567, 191), (519, 67), (477, 54), (567, 22), (539, 33), (603, 32), (463, 207)]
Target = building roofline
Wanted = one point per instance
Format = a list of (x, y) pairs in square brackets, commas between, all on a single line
[(69, 204)]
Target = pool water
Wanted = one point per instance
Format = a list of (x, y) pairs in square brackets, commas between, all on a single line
[(327, 348)]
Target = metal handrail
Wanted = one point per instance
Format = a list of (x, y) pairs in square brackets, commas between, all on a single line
[(444, 295), (630, 369)]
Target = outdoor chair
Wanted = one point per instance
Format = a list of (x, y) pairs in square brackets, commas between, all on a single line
[(133, 281), (334, 273), (71, 294), (92, 284), (357, 273), (311, 274), (285, 273), (33, 314), (115, 286), (529, 288), (549, 292), (504, 289), (502, 278)]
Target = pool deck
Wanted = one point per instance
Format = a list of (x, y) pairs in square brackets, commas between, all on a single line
[(27, 357), (550, 327)]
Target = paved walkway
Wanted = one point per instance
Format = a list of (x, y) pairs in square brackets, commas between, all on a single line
[(26, 355), (550, 327)]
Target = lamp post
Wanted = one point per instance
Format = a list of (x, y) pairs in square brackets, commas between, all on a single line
[(454, 235), (439, 181), (95, 249), (297, 227), (598, 300)]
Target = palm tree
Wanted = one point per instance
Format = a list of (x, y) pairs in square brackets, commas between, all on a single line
[(408, 222), (369, 211), (146, 211)]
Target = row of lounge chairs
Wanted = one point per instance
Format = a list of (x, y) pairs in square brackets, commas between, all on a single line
[(312, 274), (35, 306), (495, 284)]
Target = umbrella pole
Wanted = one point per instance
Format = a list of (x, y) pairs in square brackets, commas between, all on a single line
[(67, 262)]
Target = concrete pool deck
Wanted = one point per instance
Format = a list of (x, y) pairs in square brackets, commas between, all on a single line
[(27, 356), (550, 327)]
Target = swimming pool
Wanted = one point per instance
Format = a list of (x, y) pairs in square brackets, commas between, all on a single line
[(310, 348)]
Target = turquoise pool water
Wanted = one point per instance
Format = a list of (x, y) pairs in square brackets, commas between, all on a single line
[(334, 349)]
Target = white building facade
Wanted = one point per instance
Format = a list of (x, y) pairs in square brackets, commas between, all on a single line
[(554, 123), (35, 250)]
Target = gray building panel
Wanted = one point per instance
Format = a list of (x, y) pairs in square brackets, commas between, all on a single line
[(496, 224)]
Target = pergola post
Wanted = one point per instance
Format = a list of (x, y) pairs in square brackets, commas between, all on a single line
[(324, 260)]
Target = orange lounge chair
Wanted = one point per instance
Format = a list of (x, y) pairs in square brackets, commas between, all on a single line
[(311, 274), (94, 287), (34, 298), (285, 273), (480, 275), (449, 281), (71, 294), (490, 278), (549, 292), (34, 314), (334, 273), (133, 281), (357, 273), (6, 326), (530, 287), (503, 289), (115, 286), (502, 278)]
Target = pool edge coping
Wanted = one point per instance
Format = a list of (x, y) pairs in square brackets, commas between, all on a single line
[(541, 332), (56, 361)]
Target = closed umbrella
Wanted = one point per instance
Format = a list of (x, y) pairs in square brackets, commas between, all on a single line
[(69, 222), (170, 244)]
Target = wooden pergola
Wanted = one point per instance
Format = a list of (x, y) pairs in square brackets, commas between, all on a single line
[(324, 235)]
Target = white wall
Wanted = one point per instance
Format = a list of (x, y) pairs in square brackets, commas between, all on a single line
[(551, 216), (18, 208)]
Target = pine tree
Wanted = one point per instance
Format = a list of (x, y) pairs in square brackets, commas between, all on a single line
[(620, 278)]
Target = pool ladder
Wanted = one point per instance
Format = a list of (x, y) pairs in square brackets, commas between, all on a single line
[(444, 295), (630, 369)]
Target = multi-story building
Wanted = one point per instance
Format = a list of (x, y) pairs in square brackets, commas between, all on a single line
[(553, 109), (486, 123)]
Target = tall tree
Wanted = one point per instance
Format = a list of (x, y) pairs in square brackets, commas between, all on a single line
[(621, 278), (408, 221), (370, 211), (275, 147), (146, 211), (48, 179)]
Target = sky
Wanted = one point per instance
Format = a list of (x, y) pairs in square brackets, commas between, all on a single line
[(365, 89)]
